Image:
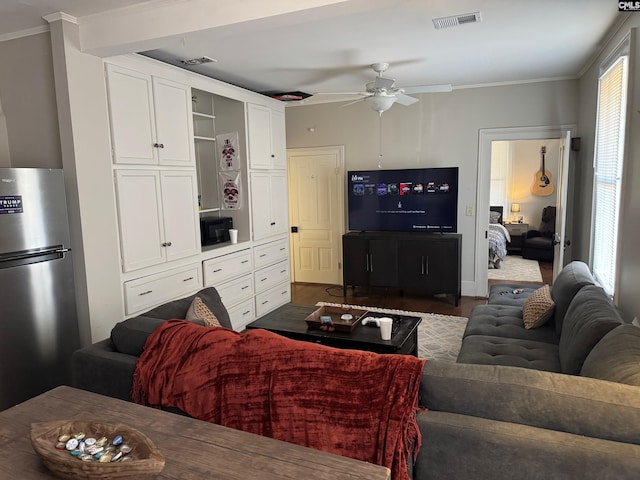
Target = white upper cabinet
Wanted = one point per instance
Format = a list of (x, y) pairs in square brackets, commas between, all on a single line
[(173, 122), (269, 204), (267, 148), (150, 119), (157, 215)]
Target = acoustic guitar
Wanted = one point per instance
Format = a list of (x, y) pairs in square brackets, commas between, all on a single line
[(542, 185)]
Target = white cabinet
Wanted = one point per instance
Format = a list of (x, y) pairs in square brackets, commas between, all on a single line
[(267, 147), (143, 293), (232, 277), (220, 269), (150, 119), (269, 205), (269, 253), (271, 276), (272, 299), (157, 215), (242, 314)]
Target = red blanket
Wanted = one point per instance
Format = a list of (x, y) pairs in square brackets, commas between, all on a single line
[(356, 404)]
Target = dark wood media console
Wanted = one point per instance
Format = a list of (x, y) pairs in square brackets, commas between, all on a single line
[(428, 263)]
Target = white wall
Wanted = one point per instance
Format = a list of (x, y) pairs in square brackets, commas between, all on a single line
[(525, 165), (28, 99), (440, 130)]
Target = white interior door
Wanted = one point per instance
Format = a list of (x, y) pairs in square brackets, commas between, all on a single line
[(316, 190), (561, 204)]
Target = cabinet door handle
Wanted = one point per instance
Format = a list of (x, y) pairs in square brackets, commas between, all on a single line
[(265, 302), (263, 255), (273, 223), (282, 271), (426, 265), (371, 262), (187, 279), (264, 279), (246, 313), (283, 248), (166, 244), (158, 145), (217, 270), (367, 258), (422, 264), (145, 293), (273, 156), (245, 287)]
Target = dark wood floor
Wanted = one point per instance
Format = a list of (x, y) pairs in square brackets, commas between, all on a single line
[(309, 294)]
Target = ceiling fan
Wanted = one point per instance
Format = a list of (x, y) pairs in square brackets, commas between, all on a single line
[(382, 93)]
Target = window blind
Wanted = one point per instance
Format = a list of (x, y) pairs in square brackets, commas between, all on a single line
[(608, 160)]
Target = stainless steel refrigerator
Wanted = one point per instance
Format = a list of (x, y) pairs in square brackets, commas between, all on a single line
[(38, 319)]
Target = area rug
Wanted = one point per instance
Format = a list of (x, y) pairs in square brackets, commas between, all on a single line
[(439, 336), (518, 269)]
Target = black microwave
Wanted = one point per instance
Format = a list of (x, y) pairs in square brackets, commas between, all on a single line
[(215, 229)]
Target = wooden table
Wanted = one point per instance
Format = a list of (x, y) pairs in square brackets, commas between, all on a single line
[(289, 321), (192, 448)]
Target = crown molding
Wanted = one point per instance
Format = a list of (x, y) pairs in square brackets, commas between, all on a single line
[(24, 33), (61, 16)]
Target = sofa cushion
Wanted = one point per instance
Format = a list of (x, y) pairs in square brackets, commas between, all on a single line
[(179, 308), (616, 357), (486, 350), (538, 308), (569, 281), (505, 321), (590, 317), (510, 294), (199, 311), (130, 335)]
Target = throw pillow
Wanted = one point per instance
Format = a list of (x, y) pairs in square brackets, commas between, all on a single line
[(538, 308), (198, 310)]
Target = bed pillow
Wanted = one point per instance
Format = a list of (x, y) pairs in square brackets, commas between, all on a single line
[(538, 308), (494, 217)]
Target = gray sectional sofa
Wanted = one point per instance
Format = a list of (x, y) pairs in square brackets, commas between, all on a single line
[(558, 402)]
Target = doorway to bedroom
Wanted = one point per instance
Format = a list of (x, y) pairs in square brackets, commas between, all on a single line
[(517, 200), (508, 185)]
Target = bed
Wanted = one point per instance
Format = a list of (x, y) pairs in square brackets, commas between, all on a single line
[(498, 237)]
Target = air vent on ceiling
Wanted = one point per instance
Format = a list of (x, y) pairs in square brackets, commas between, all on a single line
[(445, 22), (198, 61)]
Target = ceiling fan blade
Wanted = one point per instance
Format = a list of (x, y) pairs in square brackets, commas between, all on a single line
[(351, 103), (340, 93), (406, 100), (383, 83), (428, 88)]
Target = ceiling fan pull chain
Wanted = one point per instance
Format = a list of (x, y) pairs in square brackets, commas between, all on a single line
[(380, 143)]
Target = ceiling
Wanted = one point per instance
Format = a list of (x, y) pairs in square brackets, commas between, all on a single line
[(330, 48)]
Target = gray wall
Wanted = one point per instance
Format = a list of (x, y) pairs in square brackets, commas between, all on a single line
[(629, 265), (440, 130), (28, 99)]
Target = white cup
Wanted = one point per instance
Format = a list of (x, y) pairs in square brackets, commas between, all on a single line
[(233, 235), (385, 328)]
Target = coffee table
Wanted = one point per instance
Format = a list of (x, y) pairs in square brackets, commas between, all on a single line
[(289, 321), (192, 448)]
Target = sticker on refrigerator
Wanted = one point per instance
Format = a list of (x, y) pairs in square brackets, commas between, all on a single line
[(11, 204)]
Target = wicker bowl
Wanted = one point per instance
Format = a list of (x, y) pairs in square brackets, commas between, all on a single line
[(146, 460)]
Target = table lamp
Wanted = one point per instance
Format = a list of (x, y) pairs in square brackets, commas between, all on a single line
[(515, 209)]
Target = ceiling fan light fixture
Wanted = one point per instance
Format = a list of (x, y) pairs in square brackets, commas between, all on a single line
[(380, 103)]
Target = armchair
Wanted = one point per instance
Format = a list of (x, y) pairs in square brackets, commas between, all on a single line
[(539, 244)]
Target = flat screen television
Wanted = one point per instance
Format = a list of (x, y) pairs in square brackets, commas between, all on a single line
[(408, 200)]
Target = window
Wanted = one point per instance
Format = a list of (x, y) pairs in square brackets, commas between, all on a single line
[(608, 160)]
